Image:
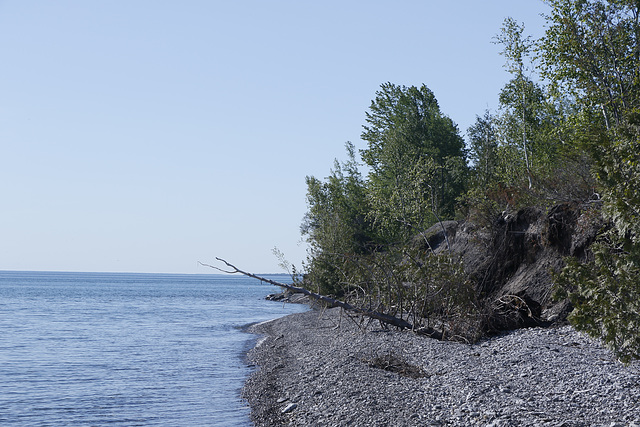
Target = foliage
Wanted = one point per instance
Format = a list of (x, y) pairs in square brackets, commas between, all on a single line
[(284, 264), (516, 152), (516, 96), (529, 145), (428, 290), (526, 131), (361, 231), (408, 137), (574, 138), (336, 224), (483, 149), (591, 50), (606, 298), (516, 48), (412, 205)]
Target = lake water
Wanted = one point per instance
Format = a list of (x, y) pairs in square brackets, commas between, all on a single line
[(127, 349)]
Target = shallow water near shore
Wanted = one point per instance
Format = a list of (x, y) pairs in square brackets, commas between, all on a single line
[(127, 349)]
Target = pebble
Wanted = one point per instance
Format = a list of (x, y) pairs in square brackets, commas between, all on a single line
[(289, 408), (528, 377)]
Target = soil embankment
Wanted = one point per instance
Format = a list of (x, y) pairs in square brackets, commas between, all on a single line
[(511, 258)]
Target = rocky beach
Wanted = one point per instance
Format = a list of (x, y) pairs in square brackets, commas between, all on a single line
[(324, 368)]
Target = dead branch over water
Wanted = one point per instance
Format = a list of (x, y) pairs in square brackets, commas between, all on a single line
[(332, 302)]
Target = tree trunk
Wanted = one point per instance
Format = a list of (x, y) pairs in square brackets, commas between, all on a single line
[(382, 317)]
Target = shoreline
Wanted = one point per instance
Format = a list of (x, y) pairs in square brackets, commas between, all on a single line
[(323, 367), (259, 338)]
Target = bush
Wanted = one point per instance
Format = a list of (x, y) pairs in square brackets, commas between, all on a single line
[(605, 294)]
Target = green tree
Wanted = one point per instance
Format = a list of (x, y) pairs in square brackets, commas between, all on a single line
[(527, 129), (591, 50), (335, 224), (361, 232), (516, 50), (483, 149), (416, 159)]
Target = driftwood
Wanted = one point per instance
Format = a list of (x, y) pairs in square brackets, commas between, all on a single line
[(332, 302)]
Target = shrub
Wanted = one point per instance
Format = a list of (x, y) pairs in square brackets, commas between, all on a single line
[(605, 294)]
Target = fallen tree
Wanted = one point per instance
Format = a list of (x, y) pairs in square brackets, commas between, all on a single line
[(331, 302)]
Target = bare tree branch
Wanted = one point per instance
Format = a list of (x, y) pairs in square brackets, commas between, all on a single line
[(382, 317)]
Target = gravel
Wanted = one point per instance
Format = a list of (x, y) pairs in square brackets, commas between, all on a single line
[(323, 368)]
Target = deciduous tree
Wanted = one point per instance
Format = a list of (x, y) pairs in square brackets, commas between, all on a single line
[(591, 49), (416, 157)]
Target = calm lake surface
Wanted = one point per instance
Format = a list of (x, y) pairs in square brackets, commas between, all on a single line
[(127, 349)]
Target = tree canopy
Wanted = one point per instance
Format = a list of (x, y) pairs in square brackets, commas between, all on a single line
[(591, 50), (567, 128), (416, 157)]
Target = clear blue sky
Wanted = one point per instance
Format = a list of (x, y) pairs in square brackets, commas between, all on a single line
[(148, 135)]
